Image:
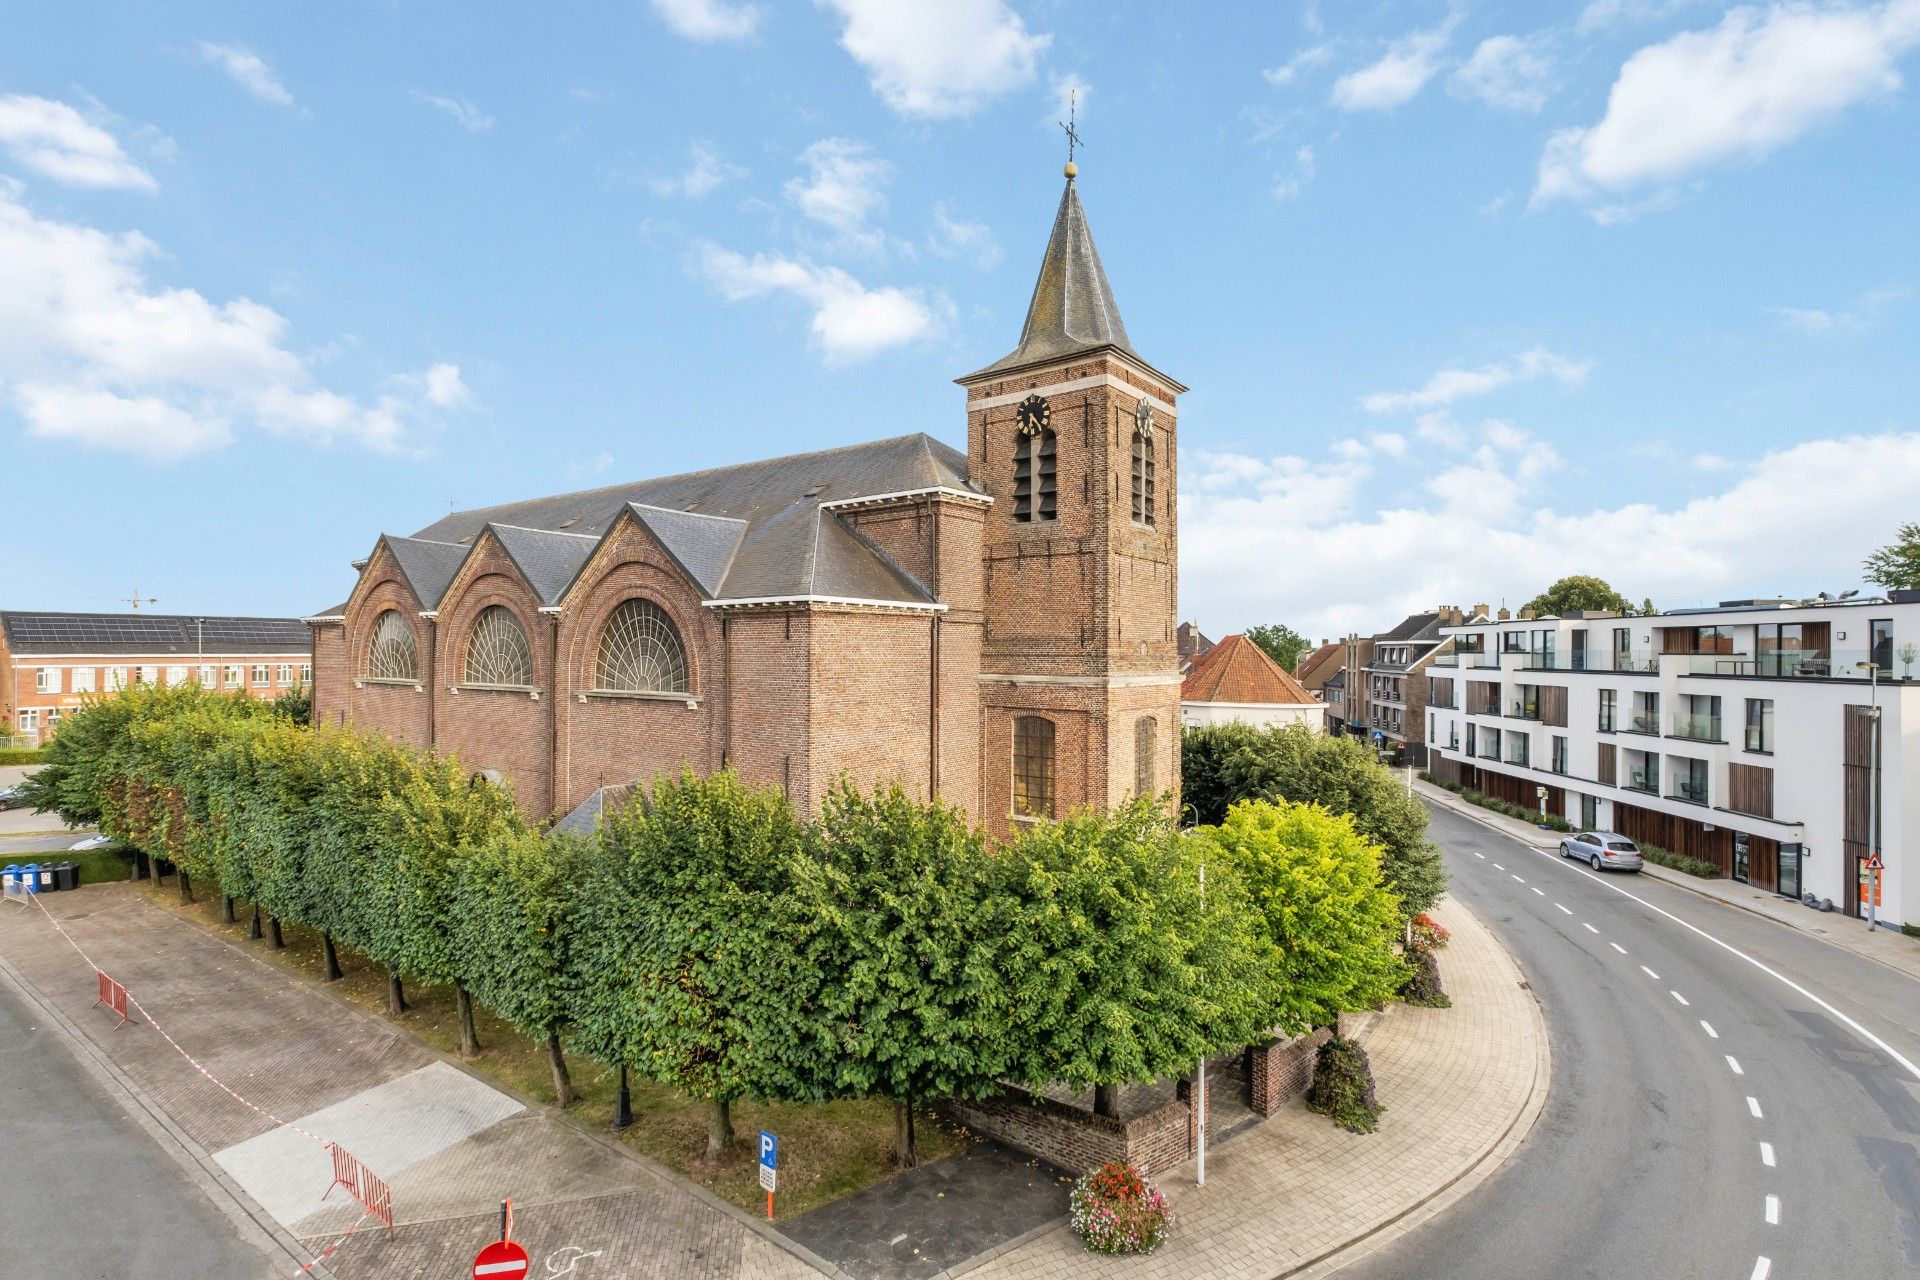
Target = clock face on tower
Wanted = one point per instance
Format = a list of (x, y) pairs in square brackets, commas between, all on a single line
[(1143, 416), (1033, 416)]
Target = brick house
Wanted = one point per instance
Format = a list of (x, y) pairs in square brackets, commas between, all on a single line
[(1385, 690), (994, 627), (1235, 682), (51, 663)]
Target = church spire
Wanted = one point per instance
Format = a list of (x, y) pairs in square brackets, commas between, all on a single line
[(1073, 309)]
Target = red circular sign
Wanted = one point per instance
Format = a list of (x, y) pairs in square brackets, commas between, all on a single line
[(501, 1260)]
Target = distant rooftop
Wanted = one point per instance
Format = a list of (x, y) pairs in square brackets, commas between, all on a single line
[(156, 634)]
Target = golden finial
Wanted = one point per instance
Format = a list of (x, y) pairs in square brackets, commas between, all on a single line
[(1073, 136)]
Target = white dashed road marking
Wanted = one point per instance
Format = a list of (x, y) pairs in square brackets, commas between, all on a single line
[(1773, 1211), (1568, 910), (1761, 1267), (1617, 947), (1498, 867), (1650, 973), (1589, 928), (1753, 1105), (1735, 1064), (1516, 877), (1708, 1028), (1479, 855), (1677, 996), (1541, 892), (1766, 1154)]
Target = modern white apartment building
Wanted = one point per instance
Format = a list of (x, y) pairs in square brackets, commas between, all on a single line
[(1743, 735)]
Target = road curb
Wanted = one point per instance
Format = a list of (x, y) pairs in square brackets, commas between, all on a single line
[(252, 1223)]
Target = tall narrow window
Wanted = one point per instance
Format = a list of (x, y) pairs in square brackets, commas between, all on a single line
[(1146, 745), (1142, 477), (1035, 487), (390, 656), (497, 652), (1033, 767), (640, 652)]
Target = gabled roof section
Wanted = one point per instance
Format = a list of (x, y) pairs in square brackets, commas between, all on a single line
[(1239, 671), (427, 566), (704, 545), (585, 818), (1313, 661), (156, 634), (548, 561)]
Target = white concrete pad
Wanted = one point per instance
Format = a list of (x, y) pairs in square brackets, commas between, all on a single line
[(387, 1128)]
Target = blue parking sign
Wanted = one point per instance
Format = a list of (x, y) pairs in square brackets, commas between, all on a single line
[(769, 1150)]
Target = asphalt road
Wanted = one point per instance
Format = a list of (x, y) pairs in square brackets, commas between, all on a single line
[(86, 1194), (1707, 1122)]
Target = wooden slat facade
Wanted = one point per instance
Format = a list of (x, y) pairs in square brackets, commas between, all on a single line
[(1609, 768), (1856, 798), (1553, 705), (1483, 697), (1440, 691), (1750, 789)]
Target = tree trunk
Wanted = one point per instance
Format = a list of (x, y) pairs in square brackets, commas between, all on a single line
[(274, 937), (186, 887), (396, 994), (253, 930), (563, 1094), (330, 958), (622, 1104), (1106, 1101), (469, 1034), (719, 1128), (906, 1148), (226, 908), (133, 868)]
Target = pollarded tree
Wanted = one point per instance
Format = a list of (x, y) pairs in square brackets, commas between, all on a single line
[(908, 1004), (1316, 883), (1224, 764), (1119, 967)]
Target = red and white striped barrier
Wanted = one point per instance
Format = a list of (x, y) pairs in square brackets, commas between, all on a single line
[(112, 995), (363, 1185)]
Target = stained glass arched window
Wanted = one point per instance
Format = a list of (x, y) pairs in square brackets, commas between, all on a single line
[(392, 655), (497, 651), (1033, 767), (640, 652)]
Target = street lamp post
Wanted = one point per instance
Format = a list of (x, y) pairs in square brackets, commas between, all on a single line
[(1874, 856)]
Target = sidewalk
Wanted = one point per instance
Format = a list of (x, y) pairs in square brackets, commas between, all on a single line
[(450, 1145), (1889, 947), (1298, 1196)]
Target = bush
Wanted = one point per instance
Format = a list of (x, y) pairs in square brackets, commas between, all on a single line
[(1428, 932), (1911, 930), (1343, 1086), (1552, 821), (1422, 987), (1680, 862), (1115, 1210)]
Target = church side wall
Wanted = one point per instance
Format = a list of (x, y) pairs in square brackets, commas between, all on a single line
[(505, 729), (401, 711), (870, 690), (330, 673), (766, 663)]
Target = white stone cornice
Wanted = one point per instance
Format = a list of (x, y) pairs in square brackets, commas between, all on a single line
[(1083, 682), (1074, 384)]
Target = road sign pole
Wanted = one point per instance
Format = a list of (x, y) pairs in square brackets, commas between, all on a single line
[(769, 1167)]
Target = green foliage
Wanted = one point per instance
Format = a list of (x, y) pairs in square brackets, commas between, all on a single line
[(296, 704), (22, 755), (1116, 968), (1553, 821), (1422, 986), (1896, 566), (1316, 882), (1114, 1210), (1282, 643), (1224, 764), (1343, 1086), (1578, 591), (511, 926), (1681, 862)]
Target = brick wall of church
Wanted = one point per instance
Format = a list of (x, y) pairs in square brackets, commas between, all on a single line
[(330, 678), (505, 729), (870, 688), (767, 664)]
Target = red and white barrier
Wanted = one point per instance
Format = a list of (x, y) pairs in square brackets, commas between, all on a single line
[(112, 995), (363, 1185)]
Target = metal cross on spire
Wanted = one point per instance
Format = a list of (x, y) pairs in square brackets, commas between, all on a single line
[(1073, 134)]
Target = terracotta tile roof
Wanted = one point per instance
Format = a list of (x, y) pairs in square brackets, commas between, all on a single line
[(1318, 656), (1237, 670)]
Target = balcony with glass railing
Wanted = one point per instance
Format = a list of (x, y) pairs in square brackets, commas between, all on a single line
[(1634, 663), (1642, 773), (1804, 664), (1701, 728)]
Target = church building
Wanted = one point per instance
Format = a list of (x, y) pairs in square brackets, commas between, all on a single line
[(995, 627)]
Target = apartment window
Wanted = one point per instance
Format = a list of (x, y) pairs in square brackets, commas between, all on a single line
[(82, 680), (1453, 736), (306, 673), (29, 719), (1780, 649), (1697, 717), (46, 680), (1473, 743), (146, 675), (1759, 724), (1526, 702), (1589, 812), (116, 679), (1622, 648), (1609, 709), (176, 675), (262, 675), (1033, 767), (1689, 779), (1559, 754), (1646, 713), (1880, 649), (1513, 642), (1643, 772), (283, 675), (206, 677), (53, 717), (1540, 652), (1519, 747)]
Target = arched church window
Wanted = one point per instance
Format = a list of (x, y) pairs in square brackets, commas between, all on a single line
[(1146, 746), (392, 654), (1035, 487), (640, 652), (497, 652), (1142, 477), (1033, 767)]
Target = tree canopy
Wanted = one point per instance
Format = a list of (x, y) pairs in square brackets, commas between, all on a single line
[(1896, 566), (1578, 592), (1282, 643)]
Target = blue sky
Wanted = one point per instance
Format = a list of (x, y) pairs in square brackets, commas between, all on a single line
[(1470, 295)]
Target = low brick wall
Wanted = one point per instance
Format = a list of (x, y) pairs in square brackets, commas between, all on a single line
[(1076, 1140), (1280, 1070)]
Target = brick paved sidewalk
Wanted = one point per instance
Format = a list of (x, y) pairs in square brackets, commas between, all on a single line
[(450, 1144), (1460, 1085)]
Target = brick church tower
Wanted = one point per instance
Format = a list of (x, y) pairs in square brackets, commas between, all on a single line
[(1074, 436)]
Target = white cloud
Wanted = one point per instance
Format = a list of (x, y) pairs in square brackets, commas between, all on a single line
[(1070, 94), (1507, 72), (1291, 184), (850, 320), (1449, 385), (56, 141), (706, 172), (961, 238), (1398, 76), (1741, 89), (1305, 60), (445, 389), (1493, 527), (709, 19), (844, 184), (248, 70), (468, 116), (1863, 312), (1602, 14), (96, 353), (939, 60)]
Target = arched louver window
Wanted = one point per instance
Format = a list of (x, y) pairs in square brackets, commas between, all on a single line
[(1033, 767), (640, 652), (1035, 491), (1146, 746), (497, 652), (392, 654), (1142, 477)]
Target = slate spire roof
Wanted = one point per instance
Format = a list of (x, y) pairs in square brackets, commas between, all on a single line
[(1073, 307)]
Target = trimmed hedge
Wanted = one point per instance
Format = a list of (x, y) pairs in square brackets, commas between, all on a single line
[(1342, 1086), (1680, 862), (1552, 821), (22, 755)]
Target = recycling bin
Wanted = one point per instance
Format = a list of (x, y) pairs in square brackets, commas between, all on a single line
[(31, 874), (66, 875), (10, 877), (49, 883)]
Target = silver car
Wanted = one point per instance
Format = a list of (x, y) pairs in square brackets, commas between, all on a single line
[(1602, 850)]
